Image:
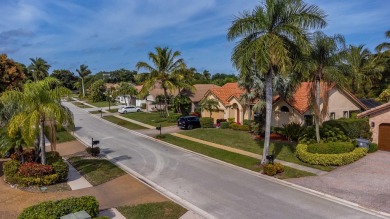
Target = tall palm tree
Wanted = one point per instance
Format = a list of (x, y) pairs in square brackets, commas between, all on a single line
[(39, 68), (39, 102), (384, 45), (210, 105), (165, 70), (326, 55), (206, 75), (83, 72), (269, 36), (126, 89)]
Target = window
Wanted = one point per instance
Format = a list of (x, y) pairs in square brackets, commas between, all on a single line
[(332, 116), (346, 114), (308, 120), (284, 109)]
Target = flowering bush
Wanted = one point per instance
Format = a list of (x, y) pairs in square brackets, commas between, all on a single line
[(31, 169)]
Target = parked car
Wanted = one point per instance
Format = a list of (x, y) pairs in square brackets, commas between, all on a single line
[(129, 109), (188, 122)]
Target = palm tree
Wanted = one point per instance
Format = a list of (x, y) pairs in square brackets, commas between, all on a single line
[(166, 67), (126, 89), (206, 75), (39, 68), (325, 57), (385, 45), (270, 35), (210, 105), (83, 72), (38, 103)]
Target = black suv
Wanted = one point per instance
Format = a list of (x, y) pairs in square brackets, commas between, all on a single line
[(188, 122)]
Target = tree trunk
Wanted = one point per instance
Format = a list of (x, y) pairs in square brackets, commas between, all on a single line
[(268, 108), (249, 112), (42, 141), (82, 86), (317, 114), (166, 102)]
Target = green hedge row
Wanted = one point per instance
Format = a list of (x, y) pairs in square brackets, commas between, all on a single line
[(224, 125), (353, 128), (329, 159), (331, 148), (56, 209), (236, 126), (207, 122)]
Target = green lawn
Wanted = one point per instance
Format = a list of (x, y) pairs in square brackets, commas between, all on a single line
[(244, 141), (64, 136), (153, 119), (96, 112), (158, 210), (81, 105), (101, 103), (123, 123), (113, 110), (230, 157), (96, 171)]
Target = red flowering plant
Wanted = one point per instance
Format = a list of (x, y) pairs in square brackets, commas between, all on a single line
[(31, 169)]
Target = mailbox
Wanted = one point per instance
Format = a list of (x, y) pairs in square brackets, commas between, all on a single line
[(95, 142), (158, 127)]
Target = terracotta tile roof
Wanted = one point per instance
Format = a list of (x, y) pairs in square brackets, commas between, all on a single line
[(226, 91), (156, 90), (374, 110), (200, 91)]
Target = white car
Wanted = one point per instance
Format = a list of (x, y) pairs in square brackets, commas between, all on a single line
[(129, 109)]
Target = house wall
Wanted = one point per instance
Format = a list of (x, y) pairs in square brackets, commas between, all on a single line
[(339, 102), (279, 118), (215, 115), (378, 118), (234, 106)]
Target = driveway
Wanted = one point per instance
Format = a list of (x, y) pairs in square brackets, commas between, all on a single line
[(206, 186), (366, 182)]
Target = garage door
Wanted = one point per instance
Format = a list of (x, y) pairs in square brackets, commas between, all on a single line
[(384, 137)]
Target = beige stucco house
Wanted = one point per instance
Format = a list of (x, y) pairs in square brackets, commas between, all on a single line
[(198, 93), (342, 104), (379, 119)]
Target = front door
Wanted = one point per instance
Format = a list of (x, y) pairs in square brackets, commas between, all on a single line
[(384, 137)]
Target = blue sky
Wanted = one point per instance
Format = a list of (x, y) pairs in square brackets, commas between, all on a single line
[(112, 34)]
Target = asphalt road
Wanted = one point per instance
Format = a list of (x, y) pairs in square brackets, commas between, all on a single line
[(220, 190)]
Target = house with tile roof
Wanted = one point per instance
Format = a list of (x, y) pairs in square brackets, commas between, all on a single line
[(342, 104), (197, 95)]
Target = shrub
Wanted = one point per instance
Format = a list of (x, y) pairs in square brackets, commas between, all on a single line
[(61, 169), (247, 122), (11, 167), (143, 105), (224, 125), (93, 151), (279, 167), (269, 169), (230, 120), (331, 148), (29, 155), (353, 128), (52, 157), (31, 169), (173, 118), (207, 122), (292, 131), (56, 209), (329, 159), (327, 134), (255, 127), (220, 121), (373, 147)]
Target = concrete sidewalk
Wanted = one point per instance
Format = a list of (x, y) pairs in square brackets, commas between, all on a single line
[(249, 154), (75, 180)]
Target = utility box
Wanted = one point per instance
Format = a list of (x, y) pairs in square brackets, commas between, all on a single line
[(77, 215), (363, 143)]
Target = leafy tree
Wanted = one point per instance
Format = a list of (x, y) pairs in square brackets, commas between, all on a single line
[(39, 69), (40, 102), (126, 89), (270, 36), (11, 74), (166, 67), (67, 78), (385, 45), (97, 91), (182, 104), (385, 95), (206, 75), (83, 72), (210, 105)]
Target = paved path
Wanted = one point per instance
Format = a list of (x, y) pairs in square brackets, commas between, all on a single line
[(75, 180), (209, 187), (249, 154)]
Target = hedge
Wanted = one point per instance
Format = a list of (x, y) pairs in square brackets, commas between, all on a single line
[(52, 157), (56, 209), (207, 122), (373, 147), (353, 128), (61, 169), (331, 148), (272, 169), (224, 125), (329, 159)]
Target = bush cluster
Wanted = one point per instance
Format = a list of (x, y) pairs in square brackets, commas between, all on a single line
[(353, 128), (238, 127), (224, 125), (207, 122), (328, 134), (52, 157), (329, 159), (373, 147), (247, 122), (31, 169), (57, 209), (221, 120), (230, 120), (61, 169), (93, 151), (273, 169), (292, 131), (331, 148)]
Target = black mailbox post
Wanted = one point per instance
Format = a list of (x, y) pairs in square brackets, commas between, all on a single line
[(159, 128)]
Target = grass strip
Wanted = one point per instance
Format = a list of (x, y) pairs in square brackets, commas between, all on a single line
[(230, 157), (101, 103), (81, 105), (96, 171), (153, 119), (123, 123), (157, 210)]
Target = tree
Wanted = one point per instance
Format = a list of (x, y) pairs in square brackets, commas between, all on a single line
[(325, 57), (38, 103), (210, 105), (166, 67), (206, 75), (126, 89), (39, 69), (385, 95), (385, 45), (97, 90), (270, 36), (83, 72), (67, 78), (11, 74)]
